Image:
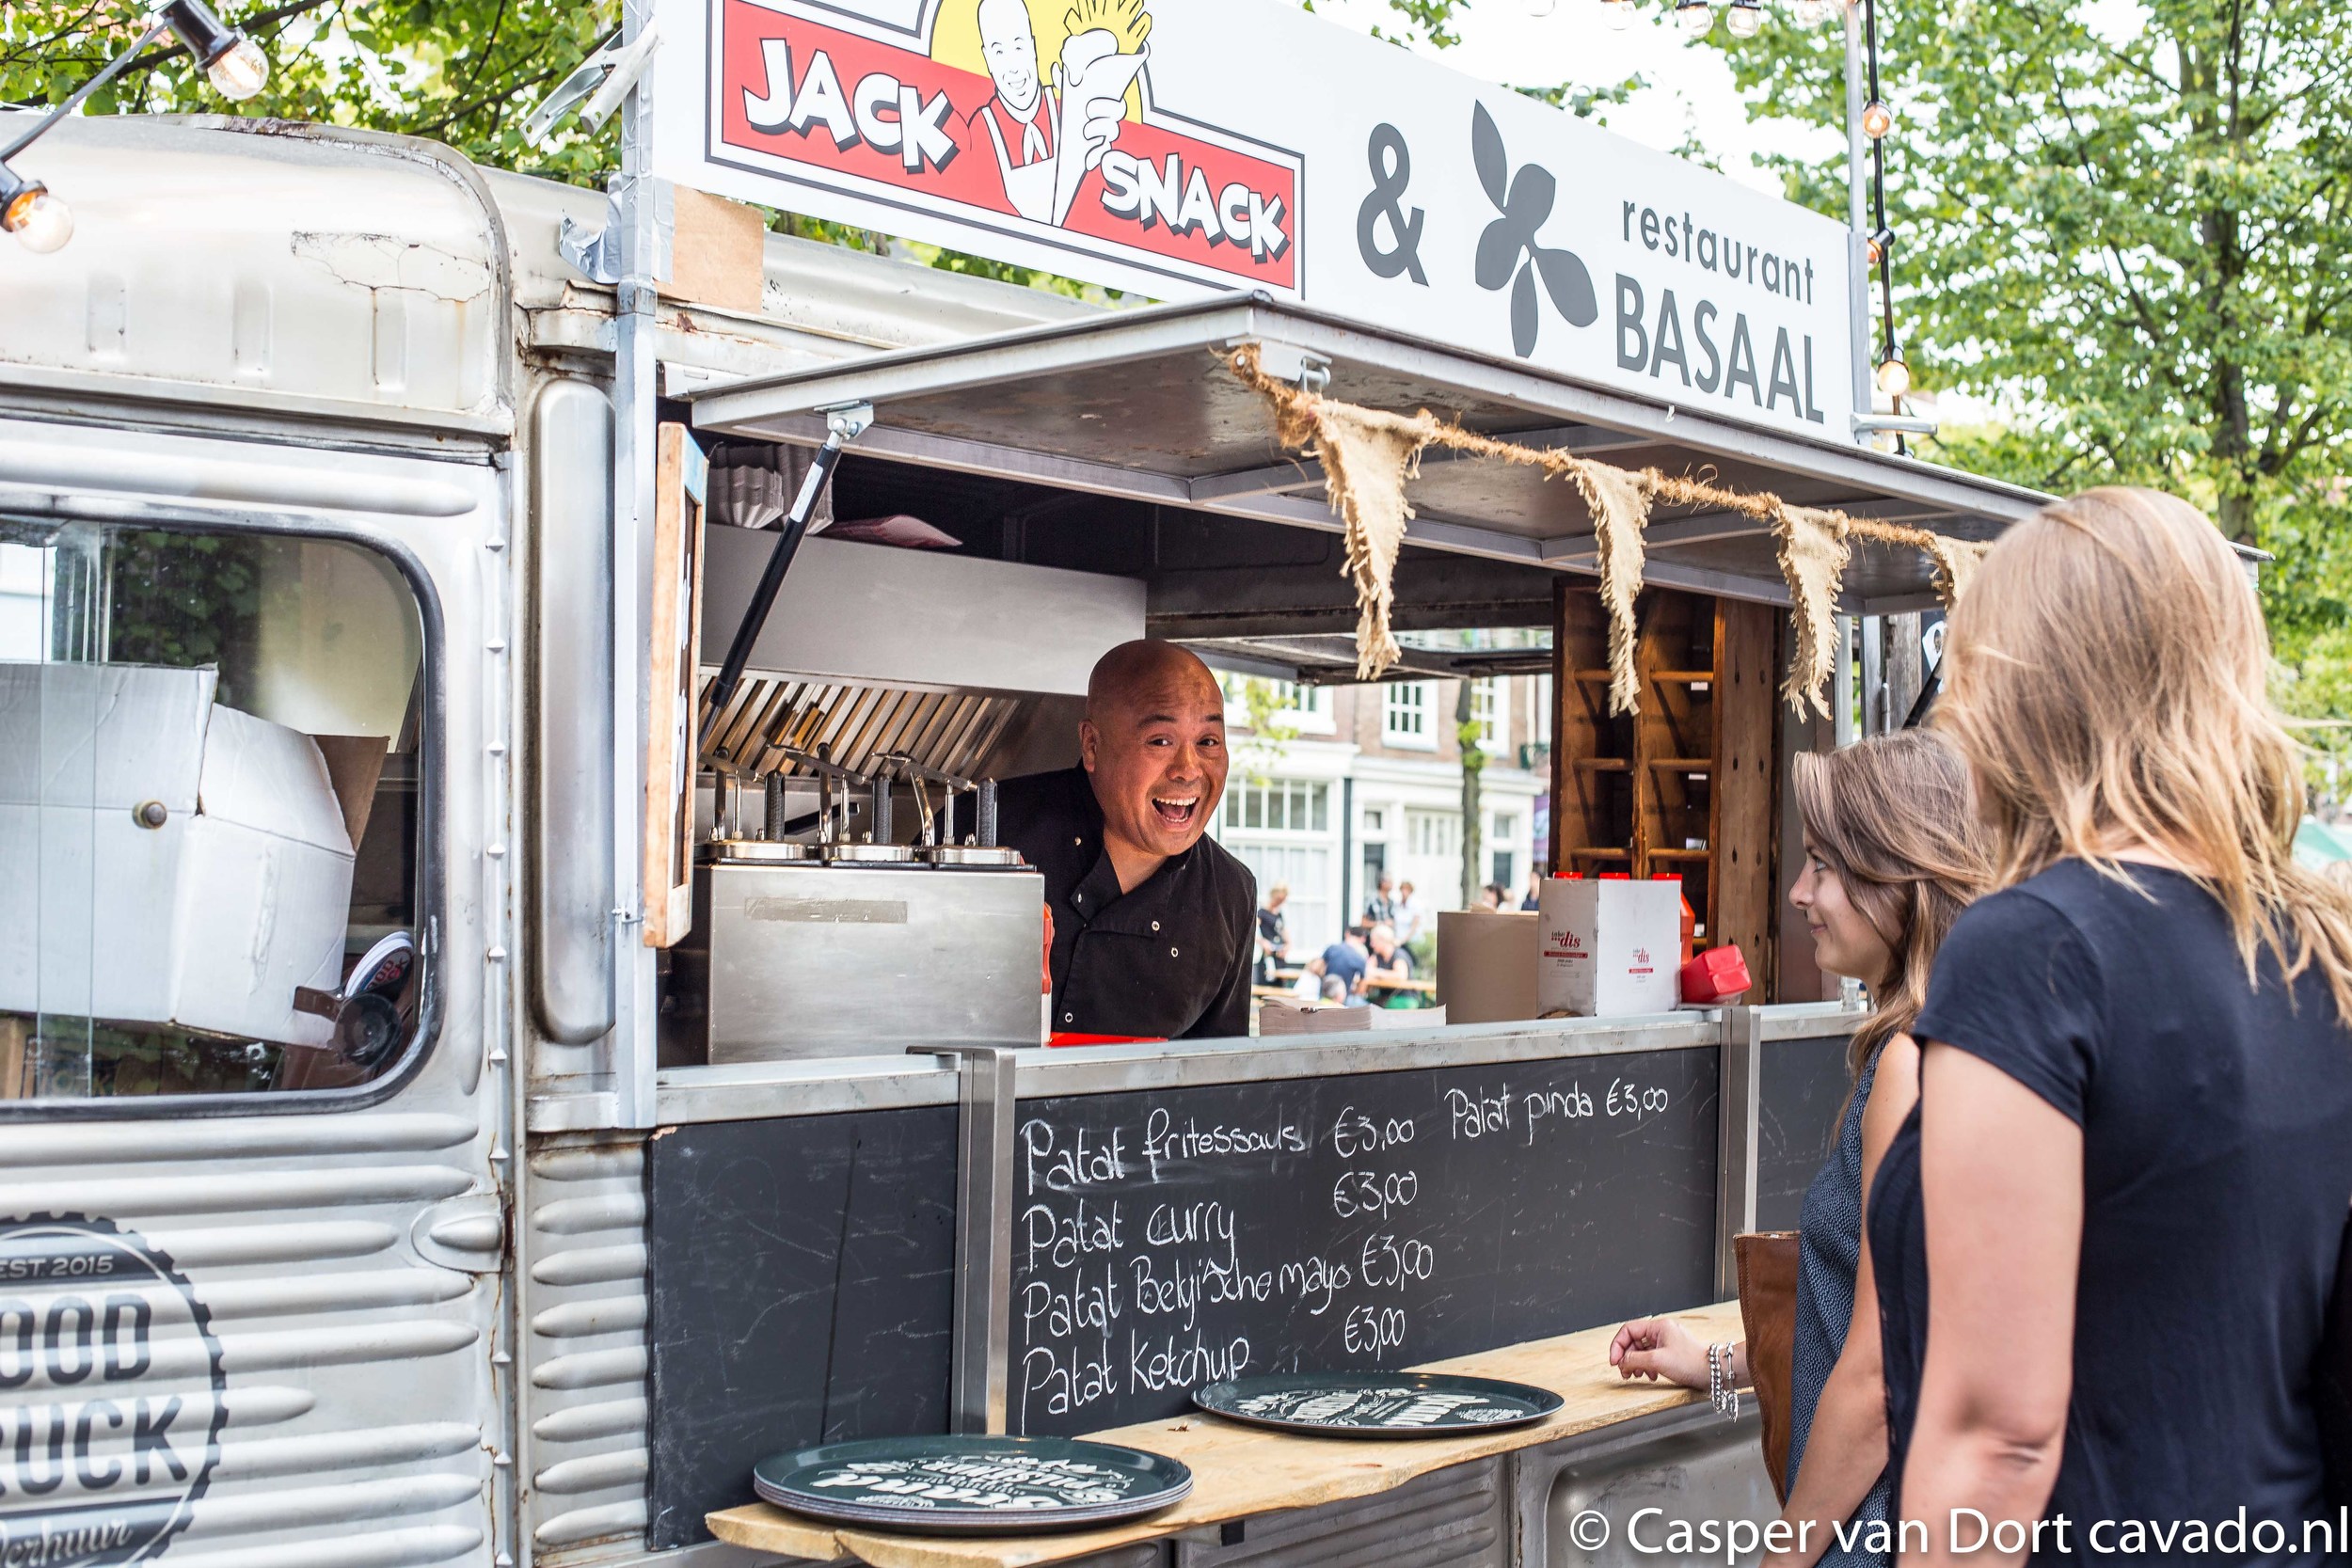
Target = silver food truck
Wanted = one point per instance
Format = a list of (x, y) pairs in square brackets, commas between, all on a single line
[(466, 1094)]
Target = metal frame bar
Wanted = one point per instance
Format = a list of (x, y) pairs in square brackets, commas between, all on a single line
[(981, 1369), (766, 407), (1739, 1098)]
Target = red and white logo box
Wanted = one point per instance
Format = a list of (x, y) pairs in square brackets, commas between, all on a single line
[(1609, 948)]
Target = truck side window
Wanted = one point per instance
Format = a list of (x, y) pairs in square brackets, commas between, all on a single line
[(211, 751)]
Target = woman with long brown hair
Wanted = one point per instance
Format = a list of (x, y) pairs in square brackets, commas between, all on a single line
[(2127, 1178), (1893, 854)]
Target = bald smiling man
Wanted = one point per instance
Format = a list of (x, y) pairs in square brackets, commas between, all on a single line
[(1152, 923)]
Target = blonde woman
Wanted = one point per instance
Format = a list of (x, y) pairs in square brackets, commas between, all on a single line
[(1893, 854), (2104, 1243)]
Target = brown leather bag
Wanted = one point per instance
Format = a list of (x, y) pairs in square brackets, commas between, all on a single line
[(1767, 1262)]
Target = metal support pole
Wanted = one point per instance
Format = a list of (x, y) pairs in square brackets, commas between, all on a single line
[(1738, 1096), (980, 1370), (1874, 718), (1841, 686), (638, 213), (1857, 213)]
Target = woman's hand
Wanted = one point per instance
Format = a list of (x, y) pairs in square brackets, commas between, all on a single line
[(1659, 1347)]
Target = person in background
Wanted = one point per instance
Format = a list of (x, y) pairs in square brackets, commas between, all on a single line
[(1334, 988), (1535, 899), (2105, 1241), (1344, 960), (1412, 915), (1380, 909), (1893, 854), (1491, 898), (1273, 940), (1389, 961)]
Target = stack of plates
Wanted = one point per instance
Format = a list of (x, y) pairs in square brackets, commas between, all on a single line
[(971, 1485)]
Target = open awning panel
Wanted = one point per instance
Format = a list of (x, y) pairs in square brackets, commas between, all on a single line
[(1139, 405)]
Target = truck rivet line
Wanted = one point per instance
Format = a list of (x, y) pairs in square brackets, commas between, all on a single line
[(496, 851), (497, 748), (499, 1358), (498, 1058), (503, 1461), (496, 645), (497, 955), (494, 544)]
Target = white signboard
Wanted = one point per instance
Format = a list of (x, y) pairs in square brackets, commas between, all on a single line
[(1183, 150)]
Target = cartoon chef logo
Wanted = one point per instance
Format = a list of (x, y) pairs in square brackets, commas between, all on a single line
[(1042, 111), (1046, 140)]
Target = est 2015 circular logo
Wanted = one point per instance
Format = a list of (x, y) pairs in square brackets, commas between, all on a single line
[(111, 1395)]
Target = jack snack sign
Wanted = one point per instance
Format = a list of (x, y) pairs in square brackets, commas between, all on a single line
[(1181, 148)]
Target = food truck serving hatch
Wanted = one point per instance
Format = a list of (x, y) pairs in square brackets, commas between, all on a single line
[(1139, 405)]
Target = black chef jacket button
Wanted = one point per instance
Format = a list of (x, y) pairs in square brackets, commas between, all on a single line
[(1155, 925), (1070, 1017), (1172, 951)]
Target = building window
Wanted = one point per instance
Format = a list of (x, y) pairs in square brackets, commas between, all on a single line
[(1433, 833), (1405, 716), (1281, 830), (1487, 713), (1541, 731), (1503, 826), (1306, 709), (1279, 806), (1376, 819)]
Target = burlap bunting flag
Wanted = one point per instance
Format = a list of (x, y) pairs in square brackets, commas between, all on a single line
[(1813, 552), (1369, 455), (1619, 503)]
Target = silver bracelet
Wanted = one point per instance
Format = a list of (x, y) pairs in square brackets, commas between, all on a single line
[(1721, 1391)]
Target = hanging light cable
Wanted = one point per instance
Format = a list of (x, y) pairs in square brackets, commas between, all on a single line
[(1894, 372)]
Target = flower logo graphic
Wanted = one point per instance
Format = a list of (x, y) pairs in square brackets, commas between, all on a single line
[(1507, 252)]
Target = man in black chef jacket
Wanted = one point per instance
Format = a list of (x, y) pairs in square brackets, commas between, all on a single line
[(1154, 923)]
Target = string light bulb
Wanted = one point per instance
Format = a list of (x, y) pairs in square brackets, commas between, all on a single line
[(1746, 18), (1696, 17), (1876, 120), (1812, 13), (40, 221), (234, 63), (1876, 247), (1618, 13), (240, 72), (1894, 374)]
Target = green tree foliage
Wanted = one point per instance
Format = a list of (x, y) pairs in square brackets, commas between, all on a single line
[(2135, 246), (461, 72)]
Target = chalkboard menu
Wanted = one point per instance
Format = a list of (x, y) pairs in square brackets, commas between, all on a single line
[(1164, 1240), (802, 1272), (1801, 1088)]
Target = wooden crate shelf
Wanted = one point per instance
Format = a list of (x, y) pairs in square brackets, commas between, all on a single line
[(1696, 762)]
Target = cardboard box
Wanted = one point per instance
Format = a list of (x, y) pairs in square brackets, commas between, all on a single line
[(1609, 947), (1487, 964), (207, 921)]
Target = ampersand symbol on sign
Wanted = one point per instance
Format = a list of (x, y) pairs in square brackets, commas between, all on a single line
[(1391, 167)]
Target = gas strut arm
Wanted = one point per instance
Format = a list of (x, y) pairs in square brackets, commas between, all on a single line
[(842, 426)]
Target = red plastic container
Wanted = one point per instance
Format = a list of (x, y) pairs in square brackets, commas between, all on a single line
[(1718, 974)]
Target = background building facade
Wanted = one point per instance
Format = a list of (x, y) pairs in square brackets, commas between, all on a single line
[(1350, 781)]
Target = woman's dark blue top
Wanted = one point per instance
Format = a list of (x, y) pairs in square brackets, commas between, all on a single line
[(2216, 1129), (1829, 1251)]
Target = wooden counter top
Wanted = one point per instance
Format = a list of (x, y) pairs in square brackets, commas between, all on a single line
[(1241, 1472)]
